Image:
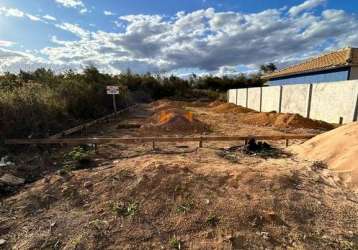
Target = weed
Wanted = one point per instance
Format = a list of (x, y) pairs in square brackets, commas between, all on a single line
[(185, 207), (213, 220), (77, 158), (97, 224), (123, 209), (175, 243), (230, 156)]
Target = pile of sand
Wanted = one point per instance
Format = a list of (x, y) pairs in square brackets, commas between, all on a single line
[(338, 149), (230, 108), (283, 120), (215, 103), (174, 120)]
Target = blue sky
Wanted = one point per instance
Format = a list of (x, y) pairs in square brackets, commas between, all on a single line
[(173, 36)]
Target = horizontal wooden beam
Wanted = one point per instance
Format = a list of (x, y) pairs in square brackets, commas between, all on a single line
[(89, 124), (131, 140)]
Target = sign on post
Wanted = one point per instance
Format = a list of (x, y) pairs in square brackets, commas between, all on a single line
[(113, 90)]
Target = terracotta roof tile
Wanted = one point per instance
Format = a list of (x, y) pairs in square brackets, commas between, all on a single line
[(336, 59)]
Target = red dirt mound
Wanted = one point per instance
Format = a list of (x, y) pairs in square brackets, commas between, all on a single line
[(280, 120), (338, 149), (175, 120), (231, 108)]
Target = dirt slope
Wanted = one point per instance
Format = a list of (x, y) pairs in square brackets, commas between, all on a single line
[(338, 148), (197, 200)]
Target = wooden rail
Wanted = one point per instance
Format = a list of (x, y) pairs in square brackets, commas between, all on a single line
[(89, 124), (131, 140)]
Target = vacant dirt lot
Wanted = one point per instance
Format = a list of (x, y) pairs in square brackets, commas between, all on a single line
[(179, 196)]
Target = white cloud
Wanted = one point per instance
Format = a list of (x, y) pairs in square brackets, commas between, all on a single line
[(309, 4), (33, 18), (71, 3), (50, 18), (205, 40), (11, 12), (6, 43), (108, 13), (76, 4), (74, 28)]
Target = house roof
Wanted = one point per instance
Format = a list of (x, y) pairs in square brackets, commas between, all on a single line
[(333, 60)]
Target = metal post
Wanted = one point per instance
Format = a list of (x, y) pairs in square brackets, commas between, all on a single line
[(286, 142), (114, 104), (340, 120)]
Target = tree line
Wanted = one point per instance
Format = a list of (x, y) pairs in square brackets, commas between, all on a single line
[(41, 102)]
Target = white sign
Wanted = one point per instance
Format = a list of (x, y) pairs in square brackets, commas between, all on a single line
[(112, 90)]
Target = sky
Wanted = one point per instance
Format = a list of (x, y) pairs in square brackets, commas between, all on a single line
[(219, 37)]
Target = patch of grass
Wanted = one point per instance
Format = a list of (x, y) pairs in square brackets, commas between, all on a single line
[(185, 207), (230, 156), (175, 243), (124, 209), (78, 158), (212, 220)]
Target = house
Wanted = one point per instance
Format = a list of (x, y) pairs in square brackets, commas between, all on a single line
[(335, 66)]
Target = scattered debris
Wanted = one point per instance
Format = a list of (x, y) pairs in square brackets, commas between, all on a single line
[(5, 162), (253, 148), (318, 166), (11, 180), (2, 242)]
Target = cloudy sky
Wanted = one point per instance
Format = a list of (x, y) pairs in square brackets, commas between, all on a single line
[(172, 36)]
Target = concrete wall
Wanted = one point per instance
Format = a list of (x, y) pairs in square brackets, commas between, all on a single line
[(271, 99), (254, 98), (294, 99), (232, 96), (354, 73), (323, 101), (241, 97), (332, 101)]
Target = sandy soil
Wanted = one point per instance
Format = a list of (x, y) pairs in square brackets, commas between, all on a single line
[(338, 149), (182, 197)]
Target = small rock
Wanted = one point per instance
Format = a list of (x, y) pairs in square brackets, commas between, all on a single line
[(87, 184), (207, 201), (4, 162), (2, 242), (12, 180), (265, 235)]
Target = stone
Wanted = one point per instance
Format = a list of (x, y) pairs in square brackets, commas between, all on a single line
[(2, 242), (12, 180), (87, 184)]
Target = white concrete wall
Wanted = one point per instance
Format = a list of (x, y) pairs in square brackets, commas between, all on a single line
[(241, 97), (294, 99), (354, 73), (232, 96), (332, 101), (270, 99), (254, 98), (329, 101)]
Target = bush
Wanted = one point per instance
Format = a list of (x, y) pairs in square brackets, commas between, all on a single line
[(40, 103)]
